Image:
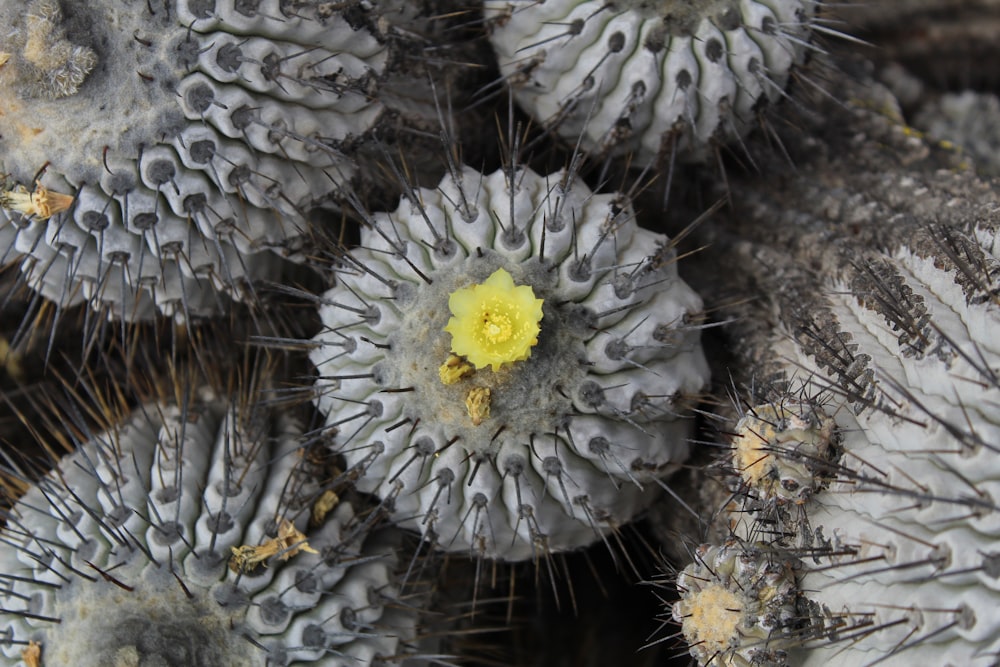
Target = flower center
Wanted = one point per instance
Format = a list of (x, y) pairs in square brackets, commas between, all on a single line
[(496, 327)]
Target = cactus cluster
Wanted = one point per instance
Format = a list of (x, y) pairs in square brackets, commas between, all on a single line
[(876, 391), (511, 363), (511, 359)]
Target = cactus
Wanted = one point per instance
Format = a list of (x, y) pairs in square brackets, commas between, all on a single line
[(940, 40), (189, 535), (737, 603), (156, 150), (650, 79), (540, 411), (506, 360), (784, 453), (969, 120), (876, 298)]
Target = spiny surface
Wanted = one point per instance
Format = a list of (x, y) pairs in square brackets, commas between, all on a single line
[(876, 298), (736, 603), (650, 79), (941, 40), (192, 136), (180, 538), (541, 454), (784, 453)]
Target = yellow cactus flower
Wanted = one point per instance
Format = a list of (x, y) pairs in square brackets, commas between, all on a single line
[(494, 322)]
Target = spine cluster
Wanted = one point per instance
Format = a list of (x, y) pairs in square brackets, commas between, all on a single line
[(735, 599)]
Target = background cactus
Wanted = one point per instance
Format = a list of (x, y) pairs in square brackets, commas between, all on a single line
[(969, 120), (194, 533), (220, 127), (875, 301), (645, 78)]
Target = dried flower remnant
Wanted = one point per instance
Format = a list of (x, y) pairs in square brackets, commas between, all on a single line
[(39, 203), (32, 654), (289, 542)]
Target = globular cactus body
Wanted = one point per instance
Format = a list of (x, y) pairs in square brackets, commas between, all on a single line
[(785, 453), (537, 453), (645, 78), (188, 138), (903, 556), (182, 538), (737, 603)]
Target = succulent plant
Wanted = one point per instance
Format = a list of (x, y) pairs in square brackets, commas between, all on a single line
[(194, 534), (939, 40), (650, 79), (156, 150), (899, 550), (507, 360), (968, 120), (511, 360), (784, 453), (737, 604), (875, 299)]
